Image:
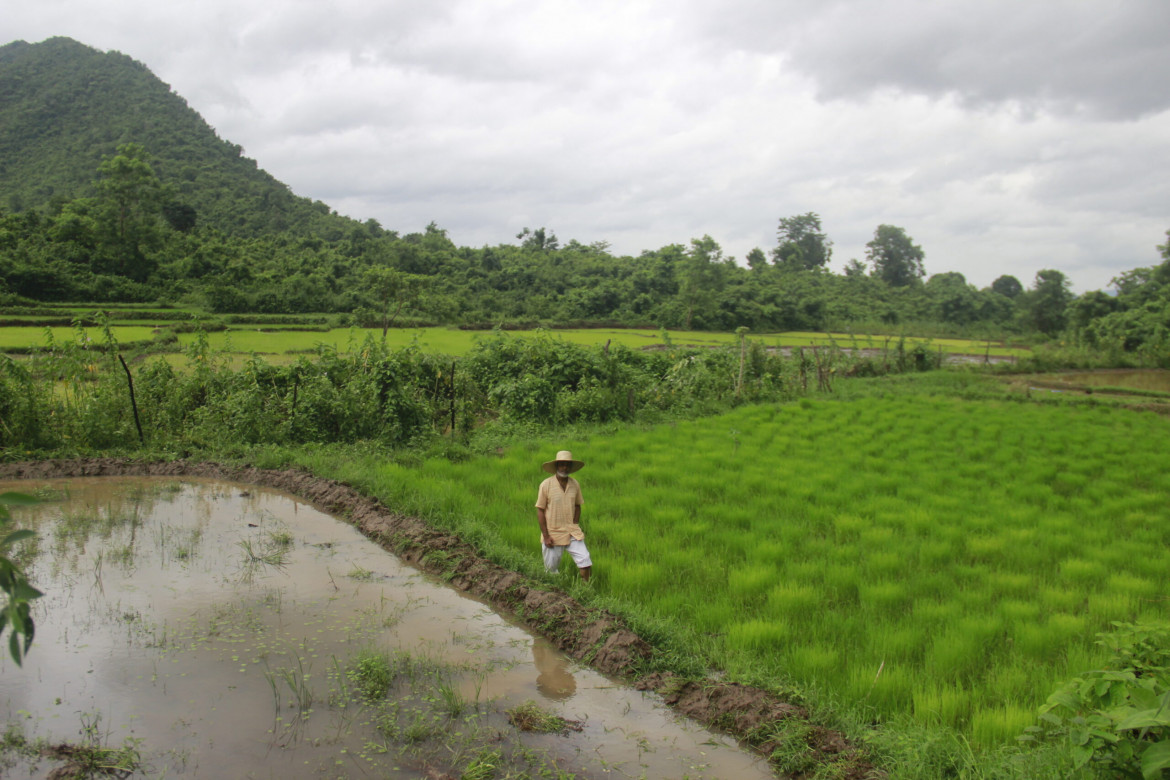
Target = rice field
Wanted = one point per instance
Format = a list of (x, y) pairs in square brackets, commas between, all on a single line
[(946, 559), (282, 340)]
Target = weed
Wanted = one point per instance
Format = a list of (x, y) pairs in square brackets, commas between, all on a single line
[(361, 574), (372, 673), (484, 766), (530, 716)]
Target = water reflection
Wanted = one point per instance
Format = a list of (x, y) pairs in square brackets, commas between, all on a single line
[(225, 627), (554, 680)]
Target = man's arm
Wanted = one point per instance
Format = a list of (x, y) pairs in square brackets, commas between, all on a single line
[(540, 517)]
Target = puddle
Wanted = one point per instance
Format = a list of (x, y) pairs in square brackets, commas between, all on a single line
[(224, 630)]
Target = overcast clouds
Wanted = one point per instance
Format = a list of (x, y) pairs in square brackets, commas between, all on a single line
[(1004, 136)]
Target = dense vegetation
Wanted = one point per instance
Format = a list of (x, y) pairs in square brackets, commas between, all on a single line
[(116, 190)]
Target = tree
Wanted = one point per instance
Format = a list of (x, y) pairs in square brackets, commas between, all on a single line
[(539, 240), (700, 277), (129, 195), (1007, 286), (802, 244), (894, 257), (756, 259), (392, 289), (1048, 302), (954, 300)]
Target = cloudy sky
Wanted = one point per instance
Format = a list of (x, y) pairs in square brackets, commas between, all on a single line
[(1005, 136)]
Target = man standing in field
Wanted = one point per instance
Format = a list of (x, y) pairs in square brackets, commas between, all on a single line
[(558, 510)]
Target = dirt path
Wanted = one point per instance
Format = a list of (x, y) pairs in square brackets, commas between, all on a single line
[(592, 636)]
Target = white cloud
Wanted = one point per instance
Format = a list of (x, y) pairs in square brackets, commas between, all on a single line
[(1004, 137)]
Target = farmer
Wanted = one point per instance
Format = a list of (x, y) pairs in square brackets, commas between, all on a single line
[(558, 509)]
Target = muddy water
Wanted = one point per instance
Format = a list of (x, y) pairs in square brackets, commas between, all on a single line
[(219, 629)]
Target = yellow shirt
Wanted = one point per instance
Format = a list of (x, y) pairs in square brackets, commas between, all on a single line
[(558, 505)]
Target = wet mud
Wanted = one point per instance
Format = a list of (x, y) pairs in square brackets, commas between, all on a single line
[(593, 637)]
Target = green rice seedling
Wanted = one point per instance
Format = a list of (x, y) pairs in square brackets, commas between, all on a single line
[(1001, 724), (1009, 583), (884, 597), (1019, 611), (758, 635), (792, 600), (1079, 571), (296, 680), (452, 703), (813, 662), (280, 537), (1137, 587), (750, 582), (267, 555), (842, 585), (883, 563), (886, 686), (848, 527), (361, 574), (940, 703)]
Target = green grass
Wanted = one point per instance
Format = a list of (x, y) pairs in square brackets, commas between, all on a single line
[(277, 339), (951, 560), (26, 336)]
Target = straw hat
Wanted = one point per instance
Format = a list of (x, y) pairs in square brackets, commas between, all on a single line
[(574, 465)]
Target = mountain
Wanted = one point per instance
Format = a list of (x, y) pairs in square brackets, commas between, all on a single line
[(65, 105)]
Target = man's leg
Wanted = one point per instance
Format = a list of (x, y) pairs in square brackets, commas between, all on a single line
[(552, 556), (580, 554)]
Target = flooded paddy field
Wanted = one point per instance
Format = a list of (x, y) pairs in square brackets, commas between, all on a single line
[(204, 628)]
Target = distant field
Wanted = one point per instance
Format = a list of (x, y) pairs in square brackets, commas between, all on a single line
[(25, 337), (280, 340)]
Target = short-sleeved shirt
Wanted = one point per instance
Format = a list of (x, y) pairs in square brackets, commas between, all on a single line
[(558, 505)]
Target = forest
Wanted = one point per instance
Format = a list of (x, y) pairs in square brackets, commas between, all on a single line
[(115, 190), (134, 241)]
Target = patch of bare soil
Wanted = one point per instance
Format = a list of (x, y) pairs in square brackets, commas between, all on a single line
[(589, 635)]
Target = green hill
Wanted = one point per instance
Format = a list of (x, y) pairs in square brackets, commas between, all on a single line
[(64, 105)]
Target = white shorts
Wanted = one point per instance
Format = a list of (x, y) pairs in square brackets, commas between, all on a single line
[(576, 548)]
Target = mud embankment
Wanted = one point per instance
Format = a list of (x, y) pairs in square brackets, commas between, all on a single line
[(589, 635)]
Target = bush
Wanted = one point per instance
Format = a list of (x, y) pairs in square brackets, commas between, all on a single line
[(1117, 719)]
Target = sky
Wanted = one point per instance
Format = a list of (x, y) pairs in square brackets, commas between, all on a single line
[(1004, 137)]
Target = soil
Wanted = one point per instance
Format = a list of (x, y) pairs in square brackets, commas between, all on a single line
[(589, 635)]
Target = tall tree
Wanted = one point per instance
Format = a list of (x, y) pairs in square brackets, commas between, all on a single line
[(802, 244), (1048, 302), (129, 220), (756, 259), (700, 277), (1007, 286), (894, 257)]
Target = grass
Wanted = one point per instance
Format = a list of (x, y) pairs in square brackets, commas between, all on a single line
[(272, 341), (530, 716), (915, 554)]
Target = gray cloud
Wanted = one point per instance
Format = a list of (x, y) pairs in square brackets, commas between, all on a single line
[(1095, 58), (1005, 137)]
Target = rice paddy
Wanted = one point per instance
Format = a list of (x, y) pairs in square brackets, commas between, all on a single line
[(285, 339), (945, 559)]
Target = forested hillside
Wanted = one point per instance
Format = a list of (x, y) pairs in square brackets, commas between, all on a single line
[(113, 189), (64, 106)]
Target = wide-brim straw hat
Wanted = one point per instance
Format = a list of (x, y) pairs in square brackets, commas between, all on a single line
[(563, 455)]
